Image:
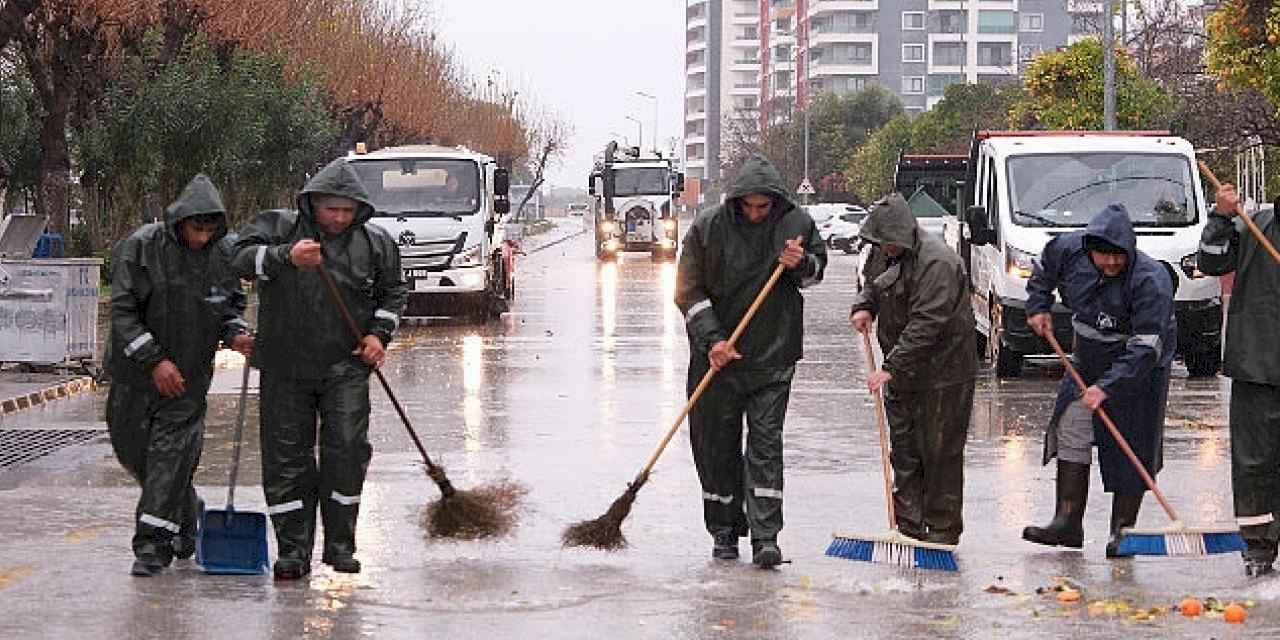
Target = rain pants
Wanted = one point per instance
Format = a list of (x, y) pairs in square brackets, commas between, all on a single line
[(1125, 339), (723, 265), (925, 327), (1252, 361), (167, 303), (304, 350)]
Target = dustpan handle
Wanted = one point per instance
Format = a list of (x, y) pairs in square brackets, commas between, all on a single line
[(235, 451)]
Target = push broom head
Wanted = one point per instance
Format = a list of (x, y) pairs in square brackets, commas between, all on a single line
[(484, 512), (895, 549), (1178, 540), (604, 532)]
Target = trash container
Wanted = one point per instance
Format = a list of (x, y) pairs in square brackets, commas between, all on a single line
[(49, 310)]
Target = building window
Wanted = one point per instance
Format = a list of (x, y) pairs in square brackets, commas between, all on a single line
[(948, 54), (782, 53), (939, 82), (782, 81), (1031, 22), (913, 53), (850, 84), (783, 25), (1028, 52), (995, 54), (997, 22), (912, 20), (952, 22), (859, 53), (912, 85), (750, 33)]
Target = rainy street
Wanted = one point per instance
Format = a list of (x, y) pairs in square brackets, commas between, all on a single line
[(567, 394)]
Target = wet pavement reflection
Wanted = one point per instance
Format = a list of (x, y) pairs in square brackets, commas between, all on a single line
[(568, 394)]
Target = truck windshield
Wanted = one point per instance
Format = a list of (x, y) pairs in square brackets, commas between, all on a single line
[(640, 181), (421, 186), (1066, 190)]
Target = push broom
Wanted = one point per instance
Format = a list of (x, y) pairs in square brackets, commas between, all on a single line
[(893, 547), (1177, 539), (605, 532), (479, 513)]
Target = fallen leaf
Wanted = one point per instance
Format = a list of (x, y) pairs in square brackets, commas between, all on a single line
[(998, 589)]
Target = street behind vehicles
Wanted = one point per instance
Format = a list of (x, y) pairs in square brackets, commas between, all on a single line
[(446, 207), (579, 209), (1028, 187), (633, 204)]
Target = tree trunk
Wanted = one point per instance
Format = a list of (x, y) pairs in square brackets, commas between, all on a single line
[(55, 161)]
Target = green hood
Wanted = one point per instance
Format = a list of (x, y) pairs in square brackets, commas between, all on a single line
[(199, 197), (891, 222), (338, 179), (758, 175)]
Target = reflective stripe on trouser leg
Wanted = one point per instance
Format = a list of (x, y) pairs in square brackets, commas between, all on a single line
[(175, 430), (715, 434), (766, 409), (1255, 458), (1075, 434), (289, 477), (344, 456)]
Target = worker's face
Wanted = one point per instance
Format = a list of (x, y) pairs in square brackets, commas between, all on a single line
[(1109, 264), (755, 207), (196, 234), (893, 250), (334, 214)]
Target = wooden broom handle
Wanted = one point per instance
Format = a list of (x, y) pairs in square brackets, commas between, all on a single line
[(706, 379), (1248, 220), (884, 433), (1115, 432)]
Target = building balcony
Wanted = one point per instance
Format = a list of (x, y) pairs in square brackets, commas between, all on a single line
[(694, 23), (699, 92), (744, 65), (699, 44), (1083, 6), (745, 18), (948, 5), (819, 7), (700, 138), (695, 116), (695, 68), (844, 69), (694, 3), (818, 39), (745, 90), (745, 44)]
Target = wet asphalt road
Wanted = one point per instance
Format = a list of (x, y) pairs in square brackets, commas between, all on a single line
[(568, 394)]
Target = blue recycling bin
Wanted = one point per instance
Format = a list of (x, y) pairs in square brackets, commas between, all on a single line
[(49, 245)]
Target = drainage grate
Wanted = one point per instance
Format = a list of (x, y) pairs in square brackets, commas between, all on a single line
[(20, 446)]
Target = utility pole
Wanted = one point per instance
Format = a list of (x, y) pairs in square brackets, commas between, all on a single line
[(640, 125), (655, 118), (1109, 66)]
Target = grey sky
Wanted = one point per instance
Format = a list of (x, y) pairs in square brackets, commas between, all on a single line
[(583, 58)]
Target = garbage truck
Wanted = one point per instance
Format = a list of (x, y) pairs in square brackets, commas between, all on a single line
[(633, 203), (447, 208)]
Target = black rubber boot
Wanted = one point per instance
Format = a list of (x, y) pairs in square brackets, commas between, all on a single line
[(726, 546), (184, 544), (1124, 514), (146, 566), (765, 554), (340, 536), (1067, 527), (290, 569), (1259, 558)]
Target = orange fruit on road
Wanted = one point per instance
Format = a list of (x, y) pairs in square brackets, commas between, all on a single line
[(1190, 607), (1234, 613), (1068, 595)]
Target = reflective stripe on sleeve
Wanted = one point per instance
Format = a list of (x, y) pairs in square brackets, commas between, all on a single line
[(1215, 249), (138, 343), (259, 263), (387, 315), (697, 308), (1149, 340), (284, 507)]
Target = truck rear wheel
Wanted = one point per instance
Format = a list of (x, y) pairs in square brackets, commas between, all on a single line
[(1204, 363), (1008, 362)]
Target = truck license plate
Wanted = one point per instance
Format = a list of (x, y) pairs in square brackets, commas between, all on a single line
[(414, 274)]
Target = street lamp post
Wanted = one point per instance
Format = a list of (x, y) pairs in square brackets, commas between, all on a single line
[(655, 118), (622, 136), (640, 126)]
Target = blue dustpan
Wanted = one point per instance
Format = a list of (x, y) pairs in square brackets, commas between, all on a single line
[(231, 542)]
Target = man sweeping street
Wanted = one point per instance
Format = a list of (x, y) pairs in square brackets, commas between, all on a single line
[(174, 297), (1253, 363), (918, 292), (311, 364), (1121, 302), (729, 253)]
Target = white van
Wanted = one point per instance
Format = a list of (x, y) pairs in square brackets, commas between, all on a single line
[(1029, 186)]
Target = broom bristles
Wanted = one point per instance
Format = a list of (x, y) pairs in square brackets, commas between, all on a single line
[(1179, 541), (604, 532), (484, 512), (894, 549)]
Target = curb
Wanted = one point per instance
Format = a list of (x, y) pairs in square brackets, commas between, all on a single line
[(36, 398)]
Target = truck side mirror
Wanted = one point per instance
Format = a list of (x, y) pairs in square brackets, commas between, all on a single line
[(979, 231), (501, 182)]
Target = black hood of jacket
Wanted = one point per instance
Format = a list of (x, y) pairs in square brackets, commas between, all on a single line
[(891, 222), (758, 175), (199, 198), (337, 178), (1113, 226)]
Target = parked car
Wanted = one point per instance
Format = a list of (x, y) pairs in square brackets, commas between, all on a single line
[(842, 230), (827, 215)]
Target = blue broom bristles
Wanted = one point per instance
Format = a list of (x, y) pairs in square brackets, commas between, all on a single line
[(1179, 543), (898, 551)]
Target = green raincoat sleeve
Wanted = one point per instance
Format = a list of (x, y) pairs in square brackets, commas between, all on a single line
[(933, 297), (391, 291), (1219, 245), (262, 250), (693, 294), (131, 287)]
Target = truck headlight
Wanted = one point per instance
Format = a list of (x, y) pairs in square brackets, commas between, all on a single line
[(469, 258), (669, 224), (1018, 263), (607, 226), (1191, 266)]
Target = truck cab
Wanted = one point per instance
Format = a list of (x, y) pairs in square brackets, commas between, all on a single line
[(1024, 188), (633, 204), (447, 208)]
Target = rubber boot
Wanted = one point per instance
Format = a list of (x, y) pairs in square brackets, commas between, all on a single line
[(725, 546), (1259, 557), (340, 536), (184, 544), (1124, 514), (1067, 527), (765, 553), (295, 537)]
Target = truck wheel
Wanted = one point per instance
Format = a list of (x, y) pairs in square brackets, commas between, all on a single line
[(981, 341), (1008, 362), (1203, 364)]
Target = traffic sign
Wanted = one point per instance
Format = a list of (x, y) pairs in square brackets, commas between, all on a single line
[(805, 188)]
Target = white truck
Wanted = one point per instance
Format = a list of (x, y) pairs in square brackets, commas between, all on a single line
[(1025, 187), (447, 208), (633, 204)]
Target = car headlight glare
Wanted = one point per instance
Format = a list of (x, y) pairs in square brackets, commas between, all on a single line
[(1018, 263), (1191, 266)]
